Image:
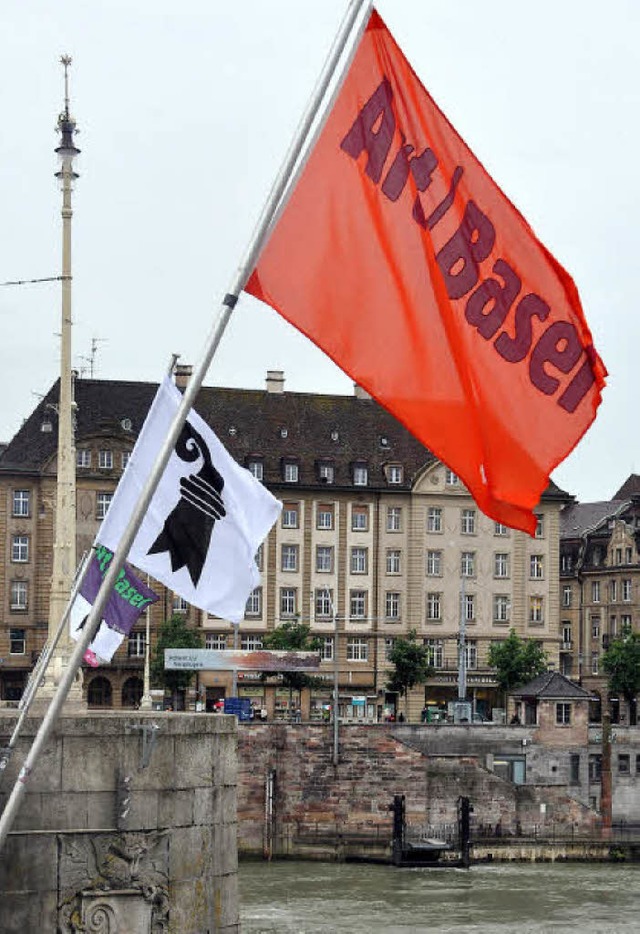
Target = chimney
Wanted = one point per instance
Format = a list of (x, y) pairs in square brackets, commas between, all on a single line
[(359, 392), (182, 374), (275, 380)]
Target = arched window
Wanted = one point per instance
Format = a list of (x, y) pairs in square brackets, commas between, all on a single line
[(99, 693), (132, 692)]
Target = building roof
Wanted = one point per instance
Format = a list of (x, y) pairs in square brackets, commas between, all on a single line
[(552, 685), (578, 518), (252, 424), (630, 487)]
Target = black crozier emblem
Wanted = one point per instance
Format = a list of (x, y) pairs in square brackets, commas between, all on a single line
[(187, 530)]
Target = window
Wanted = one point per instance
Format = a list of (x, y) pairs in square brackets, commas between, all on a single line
[(566, 595), (566, 635), (536, 610), (289, 557), (613, 591), (595, 627), (105, 460), (613, 626), (389, 645), (501, 608), (434, 519), (539, 526), (628, 555), (394, 473), (20, 549), (287, 602), (324, 516), (215, 640), (290, 515), (360, 475), (250, 643), (324, 609), (17, 642), (359, 560), (625, 622), (501, 564), (536, 567), (471, 652), (394, 518), (500, 529), (180, 605), (103, 501), (574, 768), (468, 522), (595, 591), (259, 559), (618, 558), (563, 714), (19, 595), (125, 457), (393, 561), (291, 472), (136, 645), (324, 559), (637, 764), (326, 648), (21, 502), (358, 604), (359, 518), (434, 563), (469, 607), (434, 606), (392, 605), (357, 650), (83, 457), (326, 473), (468, 563), (254, 603), (595, 663), (624, 763), (450, 478), (256, 469), (435, 652), (626, 591), (595, 768)]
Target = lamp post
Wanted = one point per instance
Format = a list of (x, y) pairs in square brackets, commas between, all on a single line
[(64, 546)]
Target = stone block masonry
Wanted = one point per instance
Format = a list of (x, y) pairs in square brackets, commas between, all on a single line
[(106, 842)]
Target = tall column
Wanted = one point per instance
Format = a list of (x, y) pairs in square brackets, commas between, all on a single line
[(64, 546)]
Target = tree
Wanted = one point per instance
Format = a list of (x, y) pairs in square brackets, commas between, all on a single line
[(293, 637), (621, 662), (516, 661), (411, 666), (173, 634)]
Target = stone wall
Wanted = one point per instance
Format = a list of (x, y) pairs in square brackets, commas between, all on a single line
[(122, 829), (314, 798)]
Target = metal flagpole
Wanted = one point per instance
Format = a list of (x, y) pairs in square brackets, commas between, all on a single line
[(356, 7), (42, 664)]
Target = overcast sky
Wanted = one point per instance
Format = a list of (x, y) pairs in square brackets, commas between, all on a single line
[(186, 110)]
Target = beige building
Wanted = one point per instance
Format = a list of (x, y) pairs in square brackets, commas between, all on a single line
[(376, 538)]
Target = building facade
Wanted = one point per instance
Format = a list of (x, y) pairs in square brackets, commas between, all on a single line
[(376, 538)]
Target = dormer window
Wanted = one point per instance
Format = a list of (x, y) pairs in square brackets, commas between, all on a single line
[(360, 475), (290, 472), (105, 460), (394, 473), (83, 457), (326, 473), (256, 468), (450, 478)]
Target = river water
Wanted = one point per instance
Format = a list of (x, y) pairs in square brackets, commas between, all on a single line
[(289, 897)]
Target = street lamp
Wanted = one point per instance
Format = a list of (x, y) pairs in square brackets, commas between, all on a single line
[(64, 546)]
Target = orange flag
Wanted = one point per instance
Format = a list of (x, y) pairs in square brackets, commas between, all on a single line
[(400, 257)]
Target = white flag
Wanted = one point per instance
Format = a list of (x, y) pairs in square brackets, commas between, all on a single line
[(106, 641), (206, 519)]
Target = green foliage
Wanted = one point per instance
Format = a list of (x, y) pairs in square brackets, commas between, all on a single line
[(516, 661), (173, 634), (410, 660), (293, 637), (621, 662)]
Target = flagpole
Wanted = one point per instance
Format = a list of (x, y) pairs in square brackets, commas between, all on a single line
[(356, 7)]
